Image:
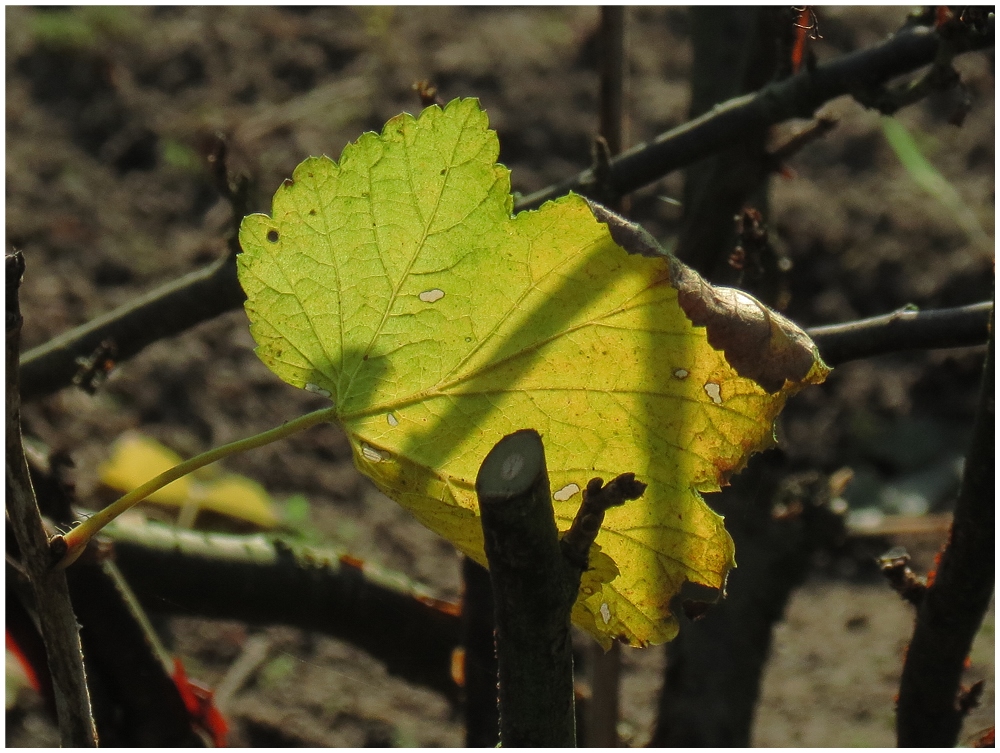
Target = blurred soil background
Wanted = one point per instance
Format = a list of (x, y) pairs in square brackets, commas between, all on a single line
[(109, 111)]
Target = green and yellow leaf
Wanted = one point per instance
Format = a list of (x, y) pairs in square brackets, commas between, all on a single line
[(398, 282)]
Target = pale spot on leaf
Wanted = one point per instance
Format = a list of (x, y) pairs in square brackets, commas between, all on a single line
[(681, 373), (566, 492), (317, 390), (393, 421), (371, 454), (714, 391), (605, 613), (430, 296)]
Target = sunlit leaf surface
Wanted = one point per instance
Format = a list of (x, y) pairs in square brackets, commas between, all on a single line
[(397, 283)]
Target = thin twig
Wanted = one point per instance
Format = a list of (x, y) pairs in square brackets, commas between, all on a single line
[(52, 603), (796, 97), (255, 652), (136, 701), (904, 330), (167, 310)]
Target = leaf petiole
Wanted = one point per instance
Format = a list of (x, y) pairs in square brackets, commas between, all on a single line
[(69, 546)]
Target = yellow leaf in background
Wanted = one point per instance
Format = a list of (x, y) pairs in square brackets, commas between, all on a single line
[(136, 459), (239, 497)]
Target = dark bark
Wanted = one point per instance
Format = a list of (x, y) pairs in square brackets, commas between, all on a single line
[(163, 312), (482, 714), (136, 702), (736, 51), (715, 665), (52, 602), (930, 708), (534, 588), (904, 330), (263, 581), (613, 77), (134, 697)]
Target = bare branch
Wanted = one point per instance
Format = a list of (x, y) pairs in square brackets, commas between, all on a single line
[(904, 330), (931, 702), (55, 612), (271, 581), (479, 658), (746, 117), (163, 312)]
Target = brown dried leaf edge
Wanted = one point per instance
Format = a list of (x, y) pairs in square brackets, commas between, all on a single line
[(760, 344)]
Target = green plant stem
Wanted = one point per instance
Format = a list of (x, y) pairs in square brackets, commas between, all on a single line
[(77, 539)]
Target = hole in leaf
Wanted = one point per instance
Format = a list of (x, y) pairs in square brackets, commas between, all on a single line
[(371, 454), (317, 390), (272, 235), (565, 493), (430, 296), (714, 391)]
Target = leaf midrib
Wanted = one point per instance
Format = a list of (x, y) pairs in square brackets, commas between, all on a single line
[(417, 250)]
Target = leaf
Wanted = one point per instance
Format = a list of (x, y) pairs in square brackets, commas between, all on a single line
[(135, 459), (398, 283)]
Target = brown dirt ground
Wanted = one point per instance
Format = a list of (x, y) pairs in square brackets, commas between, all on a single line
[(107, 109)]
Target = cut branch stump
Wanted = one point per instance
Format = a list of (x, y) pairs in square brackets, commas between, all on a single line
[(534, 588)]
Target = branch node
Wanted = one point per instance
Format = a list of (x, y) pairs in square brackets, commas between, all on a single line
[(428, 93), (801, 138), (600, 187), (597, 499), (95, 368), (895, 565), (968, 698)]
